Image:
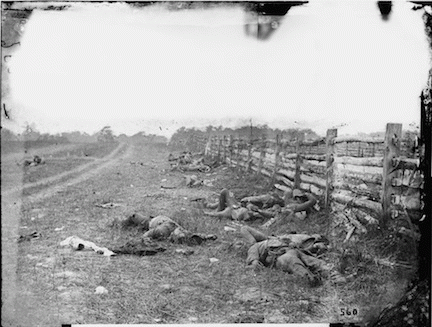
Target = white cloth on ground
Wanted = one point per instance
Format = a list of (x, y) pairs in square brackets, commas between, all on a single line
[(79, 244)]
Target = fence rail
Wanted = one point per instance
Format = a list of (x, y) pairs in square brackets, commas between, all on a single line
[(374, 177)]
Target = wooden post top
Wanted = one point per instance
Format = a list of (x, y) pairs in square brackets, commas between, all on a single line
[(392, 143)]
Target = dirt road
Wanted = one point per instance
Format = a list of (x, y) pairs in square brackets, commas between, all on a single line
[(12, 182), (12, 200), (21, 153)]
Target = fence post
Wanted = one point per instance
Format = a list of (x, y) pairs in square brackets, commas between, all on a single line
[(297, 164), (230, 149), (211, 146), (330, 153), (207, 147), (239, 148), (262, 155), (225, 148), (222, 141), (276, 164), (425, 143), (391, 153), (214, 151), (249, 157), (219, 141)]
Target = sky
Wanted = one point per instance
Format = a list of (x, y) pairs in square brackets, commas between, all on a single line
[(329, 64)]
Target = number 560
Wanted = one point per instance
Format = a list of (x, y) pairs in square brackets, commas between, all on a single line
[(348, 312)]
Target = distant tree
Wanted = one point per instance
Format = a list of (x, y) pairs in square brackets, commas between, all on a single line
[(31, 133), (105, 135), (140, 137), (45, 137), (122, 138), (8, 135)]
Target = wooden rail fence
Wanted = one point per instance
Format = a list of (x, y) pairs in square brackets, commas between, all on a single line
[(375, 179)]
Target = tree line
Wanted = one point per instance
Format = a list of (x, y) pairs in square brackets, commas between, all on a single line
[(187, 137), (31, 134)]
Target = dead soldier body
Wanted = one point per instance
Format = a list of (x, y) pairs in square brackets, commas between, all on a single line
[(298, 204), (186, 163), (261, 206), (162, 227), (293, 253)]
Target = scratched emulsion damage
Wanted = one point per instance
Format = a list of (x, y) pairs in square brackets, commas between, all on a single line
[(15, 17), (261, 19), (13, 26), (13, 22), (6, 112)]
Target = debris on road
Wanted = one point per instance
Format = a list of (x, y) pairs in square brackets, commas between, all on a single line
[(166, 287), (168, 187), (140, 247), (108, 205), (49, 262), (213, 260), (79, 244), (29, 237), (208, 183), (58, 229), (101, 290), (136, 163), (185, 252), (192, 181)]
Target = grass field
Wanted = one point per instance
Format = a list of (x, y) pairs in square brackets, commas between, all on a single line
[(57, 285), (59, 161)]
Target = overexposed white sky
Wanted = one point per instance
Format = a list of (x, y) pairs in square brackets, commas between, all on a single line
[(150, 69)]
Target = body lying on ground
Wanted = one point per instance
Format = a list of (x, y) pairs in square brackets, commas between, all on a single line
[(186, 162), (184, 158), (163, 227), (195, 165), (262, 206), (293, 253), (33, 162)]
